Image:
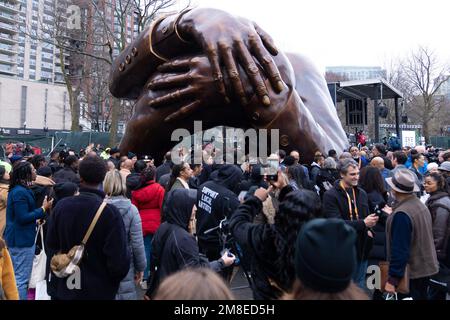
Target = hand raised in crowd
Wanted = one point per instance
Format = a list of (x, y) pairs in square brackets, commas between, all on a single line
[(138, 277), (387, 209), (47, 204), (281, 181), (233, 41), (228, 258), (371, 220), (389, 288), (262, 194)]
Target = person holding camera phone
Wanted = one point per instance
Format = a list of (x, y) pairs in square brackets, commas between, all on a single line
[(174, 245), (21, 217), (271, 246)]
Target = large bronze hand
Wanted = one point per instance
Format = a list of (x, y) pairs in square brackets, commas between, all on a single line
[(191, 84), (234, 41)]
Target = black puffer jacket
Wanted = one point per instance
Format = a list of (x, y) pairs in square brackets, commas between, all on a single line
[(378, 252)]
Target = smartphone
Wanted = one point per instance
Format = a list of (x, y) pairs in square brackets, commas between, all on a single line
[(273, 169), (270, 170), (242, 195)]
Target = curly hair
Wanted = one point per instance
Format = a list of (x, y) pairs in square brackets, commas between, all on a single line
[(148, 174), (22, 175), (440, 180), (296, 208)]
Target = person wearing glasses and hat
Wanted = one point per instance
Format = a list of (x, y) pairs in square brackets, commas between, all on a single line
[(409, 237)]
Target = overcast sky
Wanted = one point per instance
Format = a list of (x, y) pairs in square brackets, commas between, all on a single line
[(348, 32)]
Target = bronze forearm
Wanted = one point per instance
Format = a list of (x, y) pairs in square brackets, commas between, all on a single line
[(132, 68)]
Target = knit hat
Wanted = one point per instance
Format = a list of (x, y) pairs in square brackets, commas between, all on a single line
[(325, 255), (44, 171), (445, 166), (64, 189), (15, 158)]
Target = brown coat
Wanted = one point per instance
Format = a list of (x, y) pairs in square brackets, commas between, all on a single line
[(7, 278), (3, 199), (422, 258)]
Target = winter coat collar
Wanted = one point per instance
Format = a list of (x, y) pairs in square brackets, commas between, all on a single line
[(436, 196), (44, 181), (96, 192)]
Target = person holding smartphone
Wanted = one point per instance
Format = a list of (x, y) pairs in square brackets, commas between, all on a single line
[(21, 217), (271, 246)]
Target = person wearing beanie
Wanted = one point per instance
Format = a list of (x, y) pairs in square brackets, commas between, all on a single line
[(70, 171), (63, 190), (325, 260)]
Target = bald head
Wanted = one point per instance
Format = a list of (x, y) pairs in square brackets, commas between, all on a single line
[(296, 156), (377, 162), (127, 164)]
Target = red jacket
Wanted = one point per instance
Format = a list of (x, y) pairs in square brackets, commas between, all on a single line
[(149, 201)]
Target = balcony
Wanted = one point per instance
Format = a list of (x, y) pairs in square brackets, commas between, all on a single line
[(59, 79), (7, 17), (11, 29), (7, 70), (4, 6), (7, 60), (6, 38), (7, 49)]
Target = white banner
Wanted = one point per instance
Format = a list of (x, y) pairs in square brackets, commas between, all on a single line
[(408, 138)]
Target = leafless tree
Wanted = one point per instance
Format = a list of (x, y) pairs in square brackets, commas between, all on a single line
[(103, 32), (423, 75)]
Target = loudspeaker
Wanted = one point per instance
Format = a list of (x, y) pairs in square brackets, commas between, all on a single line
[(383, 111), (404, 119)]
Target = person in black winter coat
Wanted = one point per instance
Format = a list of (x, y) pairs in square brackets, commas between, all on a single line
[(327, 176), (371, 181), (166, 167), (106, 258), (174, 246), (271, 246), (349, 202), (133, 180), (70, 171), (255, 179), (216, 200)]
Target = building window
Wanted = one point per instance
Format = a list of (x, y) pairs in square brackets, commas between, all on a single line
[(356, 112)]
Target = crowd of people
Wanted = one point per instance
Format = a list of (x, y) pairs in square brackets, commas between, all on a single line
[(178, 230)]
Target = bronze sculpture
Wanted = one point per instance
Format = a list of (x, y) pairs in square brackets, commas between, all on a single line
[(205, 64)]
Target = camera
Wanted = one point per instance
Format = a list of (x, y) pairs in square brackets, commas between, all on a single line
[(378, 212)]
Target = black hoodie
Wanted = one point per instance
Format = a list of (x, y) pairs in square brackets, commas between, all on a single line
[(173, 247), (216, 199)]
